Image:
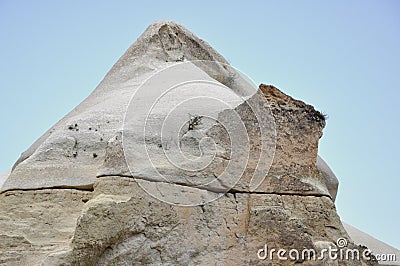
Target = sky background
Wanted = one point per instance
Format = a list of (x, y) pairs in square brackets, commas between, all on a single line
[(343, 57)]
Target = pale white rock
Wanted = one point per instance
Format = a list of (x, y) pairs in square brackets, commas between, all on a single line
[(76, 145), (4, 176)]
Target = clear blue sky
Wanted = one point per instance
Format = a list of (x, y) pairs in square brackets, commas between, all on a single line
[(343, 57)]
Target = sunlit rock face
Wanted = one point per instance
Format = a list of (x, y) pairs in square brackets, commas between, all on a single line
[(176, 158)]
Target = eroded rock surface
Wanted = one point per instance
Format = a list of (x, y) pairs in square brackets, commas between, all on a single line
[(72, 199), (35, 223), (123, 225)]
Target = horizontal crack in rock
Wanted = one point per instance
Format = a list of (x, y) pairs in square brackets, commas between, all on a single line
[(234, 192), (83, 188)]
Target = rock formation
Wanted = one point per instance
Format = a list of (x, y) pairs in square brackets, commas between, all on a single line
[(115, 182)]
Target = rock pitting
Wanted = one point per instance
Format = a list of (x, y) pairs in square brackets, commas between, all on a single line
[(76, 196)]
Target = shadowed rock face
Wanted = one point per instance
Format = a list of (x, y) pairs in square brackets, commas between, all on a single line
[(330, 179), (76, 197)]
